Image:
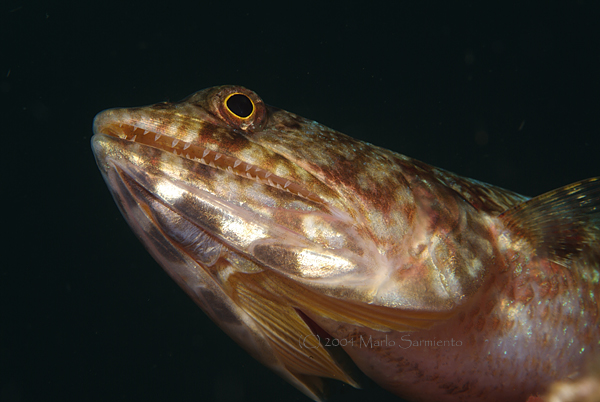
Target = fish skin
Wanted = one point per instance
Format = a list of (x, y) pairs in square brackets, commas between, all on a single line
[(282, 229)]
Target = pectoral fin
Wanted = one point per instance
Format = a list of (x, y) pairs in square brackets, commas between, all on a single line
[(294, 343)]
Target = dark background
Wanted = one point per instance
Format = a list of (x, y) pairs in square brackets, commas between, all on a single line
[(503, 93)]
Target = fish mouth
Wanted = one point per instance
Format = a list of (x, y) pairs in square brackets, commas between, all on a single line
[(140, 132), (202, 242)]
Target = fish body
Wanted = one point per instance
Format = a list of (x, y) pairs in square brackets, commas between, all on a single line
[(295, 238)]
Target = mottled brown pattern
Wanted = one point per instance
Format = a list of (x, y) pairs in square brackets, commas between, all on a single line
[(313, 232)]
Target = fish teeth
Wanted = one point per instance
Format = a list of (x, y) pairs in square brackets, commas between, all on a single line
[(157, 136), (133, 138), (186, 145), (175, 141), (206, 152), (146, 132), (237, 163), (287, 183), (267, 174), (217, 156), (248, 167)]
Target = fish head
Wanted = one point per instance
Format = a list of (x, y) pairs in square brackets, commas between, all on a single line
[(267, 219)]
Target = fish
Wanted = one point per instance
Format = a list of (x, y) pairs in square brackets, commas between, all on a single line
[(327, 258)]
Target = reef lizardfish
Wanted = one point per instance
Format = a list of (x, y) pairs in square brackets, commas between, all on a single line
[(293, 238)]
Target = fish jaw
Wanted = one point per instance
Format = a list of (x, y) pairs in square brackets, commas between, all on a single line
[(202, 222)]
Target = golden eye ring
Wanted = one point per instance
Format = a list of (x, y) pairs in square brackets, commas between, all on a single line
[(240, 105)]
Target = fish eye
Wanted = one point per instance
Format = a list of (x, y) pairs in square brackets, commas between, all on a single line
[(240, 105)]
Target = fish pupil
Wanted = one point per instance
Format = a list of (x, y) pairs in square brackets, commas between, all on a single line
[(240, 105)]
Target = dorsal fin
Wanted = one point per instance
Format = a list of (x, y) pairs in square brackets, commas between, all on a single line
[(560, 224)]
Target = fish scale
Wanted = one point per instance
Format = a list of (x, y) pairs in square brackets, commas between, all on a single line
[(293, 238)]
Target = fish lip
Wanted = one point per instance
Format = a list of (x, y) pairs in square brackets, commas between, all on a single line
[(110, 121), (103, 120), (100, 150), (97, 122)]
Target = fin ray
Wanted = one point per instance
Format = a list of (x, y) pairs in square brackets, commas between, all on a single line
[(560, 224)]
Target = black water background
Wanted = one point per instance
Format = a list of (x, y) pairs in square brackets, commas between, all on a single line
[(505, 94)]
